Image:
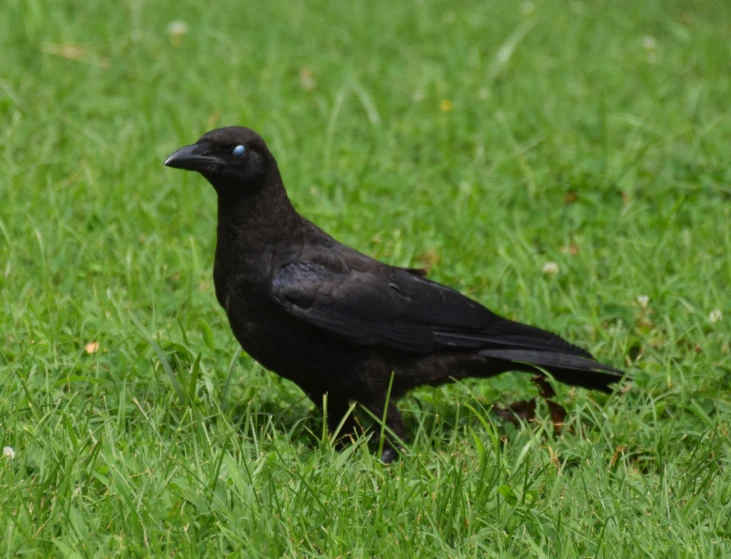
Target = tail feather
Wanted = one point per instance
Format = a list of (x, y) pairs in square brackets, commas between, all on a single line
[(508, 334), (570, 369), (521, 347)]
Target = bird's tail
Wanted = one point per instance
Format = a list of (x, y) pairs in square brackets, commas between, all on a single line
[(514, 346), (565, 367)]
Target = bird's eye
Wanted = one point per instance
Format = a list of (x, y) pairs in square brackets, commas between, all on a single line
[(239, 150)]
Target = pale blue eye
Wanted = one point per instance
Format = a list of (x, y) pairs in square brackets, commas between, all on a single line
[(239, 150)]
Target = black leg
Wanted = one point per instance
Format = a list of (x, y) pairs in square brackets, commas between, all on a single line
[(395, 424), (338, 406)]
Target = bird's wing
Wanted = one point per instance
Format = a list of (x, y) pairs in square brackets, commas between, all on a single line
[(369, 303)]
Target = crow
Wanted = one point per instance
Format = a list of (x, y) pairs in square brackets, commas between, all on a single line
[(339, 323)]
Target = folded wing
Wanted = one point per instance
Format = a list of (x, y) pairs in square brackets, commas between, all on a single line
[(398, 309)]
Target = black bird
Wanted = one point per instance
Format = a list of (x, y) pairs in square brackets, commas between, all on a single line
[(338, 322)]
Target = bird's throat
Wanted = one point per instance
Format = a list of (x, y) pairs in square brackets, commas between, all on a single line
[(259, 214)]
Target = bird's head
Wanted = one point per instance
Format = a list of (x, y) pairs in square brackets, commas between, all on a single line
[(232, 157)]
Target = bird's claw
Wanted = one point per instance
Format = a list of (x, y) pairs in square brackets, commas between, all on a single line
[(390, 454)]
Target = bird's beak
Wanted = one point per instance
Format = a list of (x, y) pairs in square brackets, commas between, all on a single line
[(187, 158)]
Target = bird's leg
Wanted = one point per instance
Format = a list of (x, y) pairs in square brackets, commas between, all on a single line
[(395, 424), (337, 407)]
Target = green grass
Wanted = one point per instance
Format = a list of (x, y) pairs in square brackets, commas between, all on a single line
[(568, 128)]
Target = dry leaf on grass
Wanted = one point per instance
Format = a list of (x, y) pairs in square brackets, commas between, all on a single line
[(73, 52)]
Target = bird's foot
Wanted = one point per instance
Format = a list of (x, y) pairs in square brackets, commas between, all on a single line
[(391, 454)]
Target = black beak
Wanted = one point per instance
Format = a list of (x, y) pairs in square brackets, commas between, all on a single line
[(187, 158)]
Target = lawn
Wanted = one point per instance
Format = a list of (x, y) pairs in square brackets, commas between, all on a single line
[(483, 140)]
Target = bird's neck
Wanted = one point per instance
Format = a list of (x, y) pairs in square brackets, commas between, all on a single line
[(251, 219)]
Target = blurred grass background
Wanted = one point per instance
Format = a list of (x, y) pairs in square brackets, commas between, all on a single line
[(482, 140)]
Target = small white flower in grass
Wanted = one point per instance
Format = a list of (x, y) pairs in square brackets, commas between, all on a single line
[(8, 452), (417, 95), (483, 94), (550, 268), (649, 42), (650, 45), (715, 316), (527, 8), (176, 30), (643, 300)]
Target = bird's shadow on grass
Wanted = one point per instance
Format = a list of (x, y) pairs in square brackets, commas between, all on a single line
[(439, 423), (301, 422)]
